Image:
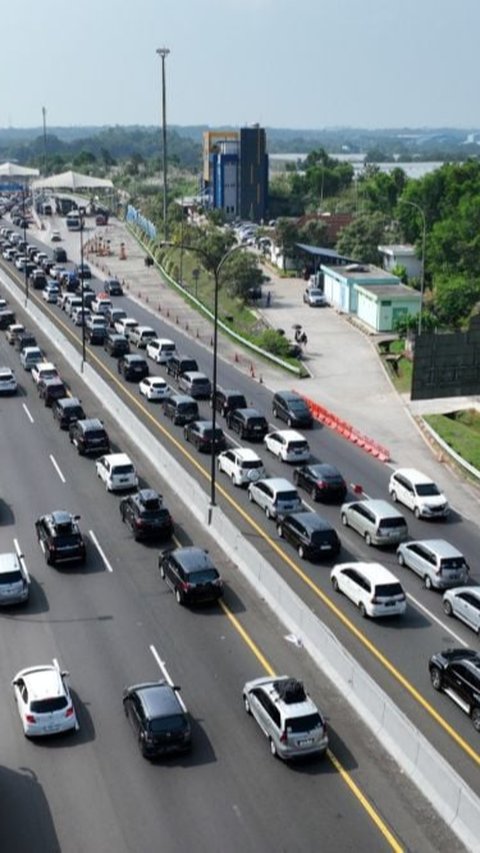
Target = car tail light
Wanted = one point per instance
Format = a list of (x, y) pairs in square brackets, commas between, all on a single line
[(283, 737), (69, 711), (376, 600), (185, 586), (139, 522), (320, 484), (218, 582), (30, 718)]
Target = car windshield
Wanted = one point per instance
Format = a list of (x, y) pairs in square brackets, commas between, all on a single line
[(389, 523), (10, 577), (386, 590), (203, 576), (427, 490), (48, 706), (122, 469), (173, 723), (304, 724)]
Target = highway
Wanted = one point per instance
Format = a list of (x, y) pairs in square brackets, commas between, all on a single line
[(103, 631)]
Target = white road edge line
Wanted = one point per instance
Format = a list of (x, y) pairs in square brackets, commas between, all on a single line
[(57, 468), (100, 550), (166, 674), (437, 620), (21, 558), (25, 409)]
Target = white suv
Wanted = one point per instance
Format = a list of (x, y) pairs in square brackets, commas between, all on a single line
[(117, 472), (242, 465), (419, 493)]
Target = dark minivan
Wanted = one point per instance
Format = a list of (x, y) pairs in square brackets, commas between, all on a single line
[(312, 536), (89, 436), (248, 423), (179, 364), (181, 408), (288, 406), (227, 400)]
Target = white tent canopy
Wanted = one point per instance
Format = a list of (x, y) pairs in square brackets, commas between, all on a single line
[(13, 170), (71, 181)]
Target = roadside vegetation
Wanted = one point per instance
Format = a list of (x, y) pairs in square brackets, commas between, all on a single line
[(461, 431)]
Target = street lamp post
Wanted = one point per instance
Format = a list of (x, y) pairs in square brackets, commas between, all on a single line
[(422, 274), (82, 279), (25, 250), (163, 53)]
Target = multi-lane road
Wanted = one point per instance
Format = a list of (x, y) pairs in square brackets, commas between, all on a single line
[(109, 623)]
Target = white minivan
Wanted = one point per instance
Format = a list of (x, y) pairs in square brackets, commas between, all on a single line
[(371, 587), (419, 493), (161, 350)]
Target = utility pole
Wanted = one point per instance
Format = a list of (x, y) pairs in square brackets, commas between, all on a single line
[(44, 114), (163, 53)]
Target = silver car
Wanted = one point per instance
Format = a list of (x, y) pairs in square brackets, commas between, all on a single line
[(440, 564), (464, 603), (287, 716), (275, 495), (14, 579)]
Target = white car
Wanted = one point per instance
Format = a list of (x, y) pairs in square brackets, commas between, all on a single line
[(125, 325), (288, 445), (96, 321), (372, 588), (44, 370), (117, 472), (44, 701), (154, 388), (161, 350), (30, 356), (50, 293), (464, 603), (80, 315), (55, 236), (20, 262), (242, 465), (13, 330), (140, 336), (419, 493), (314, 297), (8, 383)]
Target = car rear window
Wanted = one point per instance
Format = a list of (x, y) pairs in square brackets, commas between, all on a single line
[(254, 463), (208, 434), (47, 706), (237, 402), (286, 496), (173, 723), (122, 469), (386, 590), (324, 537), (297, 445), (256, 421), (10, 577), (188, 408), (160, 514), (203, 576), (453, 563), (389, 523), (304, 724), (201, 381)]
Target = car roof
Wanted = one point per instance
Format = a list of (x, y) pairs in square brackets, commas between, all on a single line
[(67, 402), (155, 380), (91, 423), (474, 590), (9, 563), (191, 558), (133, 356), (147, 495), (440, 546), (293, 709), (246, 454), (323, 468), (289, 434), (414, 475), (374, 571), (196, 374), (118, 458), (379, 506), (311, 520), (159, 699), (42, 681), (61, 516), (182, 398), (289, 395), (277, 483), (248, 413)]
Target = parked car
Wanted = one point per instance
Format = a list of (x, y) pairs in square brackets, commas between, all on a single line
[(8, 382), (154, 388), (377, 521), (133, 367), (248, 424), (14, 580), (287, 445), (146, 515), (89, 436), (191, 575), (456, 672), (117, 472), (322, 481), (158, 717), (181, 409), (67, 411), (200, 434), (242, 465), (44, 701), (464, 603), (371, 587), (419, 493), (226, 400), (314, 297), (291, 408), (313, 537), (60, 538), (275, 495), (287, 716), (439, 564)]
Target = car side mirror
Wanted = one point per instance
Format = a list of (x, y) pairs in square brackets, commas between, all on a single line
[(65, 673), (77, 517)]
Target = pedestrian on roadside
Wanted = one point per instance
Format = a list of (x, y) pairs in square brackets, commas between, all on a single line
[(269, 298), (303, 339)]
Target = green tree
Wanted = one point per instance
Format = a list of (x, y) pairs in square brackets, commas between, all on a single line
[(360, 239), (286, 235), (314, 233), (455, 297), (240, 273)]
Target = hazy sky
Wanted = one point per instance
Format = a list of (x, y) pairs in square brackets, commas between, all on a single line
[(283, 63)]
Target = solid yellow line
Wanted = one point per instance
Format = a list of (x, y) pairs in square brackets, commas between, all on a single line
[(363, 639), (346, 777)]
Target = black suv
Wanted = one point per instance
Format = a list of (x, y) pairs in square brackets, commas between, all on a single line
[(115, 344), (95, 334), (25, 339), (181, 408), (67, 411), (291, 408), (457, 672), (133, 367), (60, 539), (248, 423), (38, 279), (59, 255), (50, 390), (226, 400), (159, 718), (191, 575), (146, 515), (322, 481), (113, 287), (200, 434), (179, 364), (89, 436), (312, 536)]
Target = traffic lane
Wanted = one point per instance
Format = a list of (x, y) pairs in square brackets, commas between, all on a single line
[(73, 629)]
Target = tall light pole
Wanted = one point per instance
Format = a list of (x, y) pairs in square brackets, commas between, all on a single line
[(82, 285), (163, 53), (216, 269), (25, 241), (44, 115), (422, 272)]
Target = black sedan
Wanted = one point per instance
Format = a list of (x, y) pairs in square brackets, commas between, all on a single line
[(322, 481), (200, 433)]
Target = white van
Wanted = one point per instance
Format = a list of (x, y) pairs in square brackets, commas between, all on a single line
[(161, 350), (419, 493), (372, 587)]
